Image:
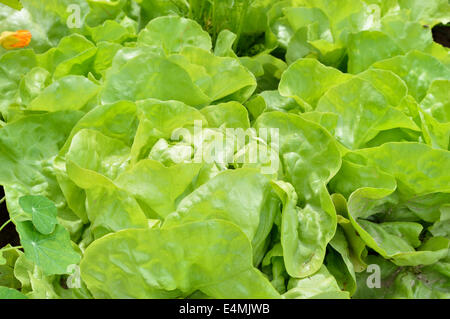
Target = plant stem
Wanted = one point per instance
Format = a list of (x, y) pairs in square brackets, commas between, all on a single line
[(11, 248), (3, 199), (200, 12), (213, 21), (4, 225), (241, 24)]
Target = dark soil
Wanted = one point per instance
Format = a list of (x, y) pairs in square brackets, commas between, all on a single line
[(8, 235), (441, 35)]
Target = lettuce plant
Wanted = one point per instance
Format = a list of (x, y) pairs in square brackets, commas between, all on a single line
[(225, 149)]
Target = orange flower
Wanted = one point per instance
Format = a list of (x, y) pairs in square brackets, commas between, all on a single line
[(13, 40)]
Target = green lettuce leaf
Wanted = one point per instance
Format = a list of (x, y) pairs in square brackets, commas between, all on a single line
[(176, 264), (308, 167)]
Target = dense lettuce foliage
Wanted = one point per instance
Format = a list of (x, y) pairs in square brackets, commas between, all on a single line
[(115, 195)]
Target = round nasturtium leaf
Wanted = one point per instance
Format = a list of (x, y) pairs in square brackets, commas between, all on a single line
[(52, 253), (43, 212)]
